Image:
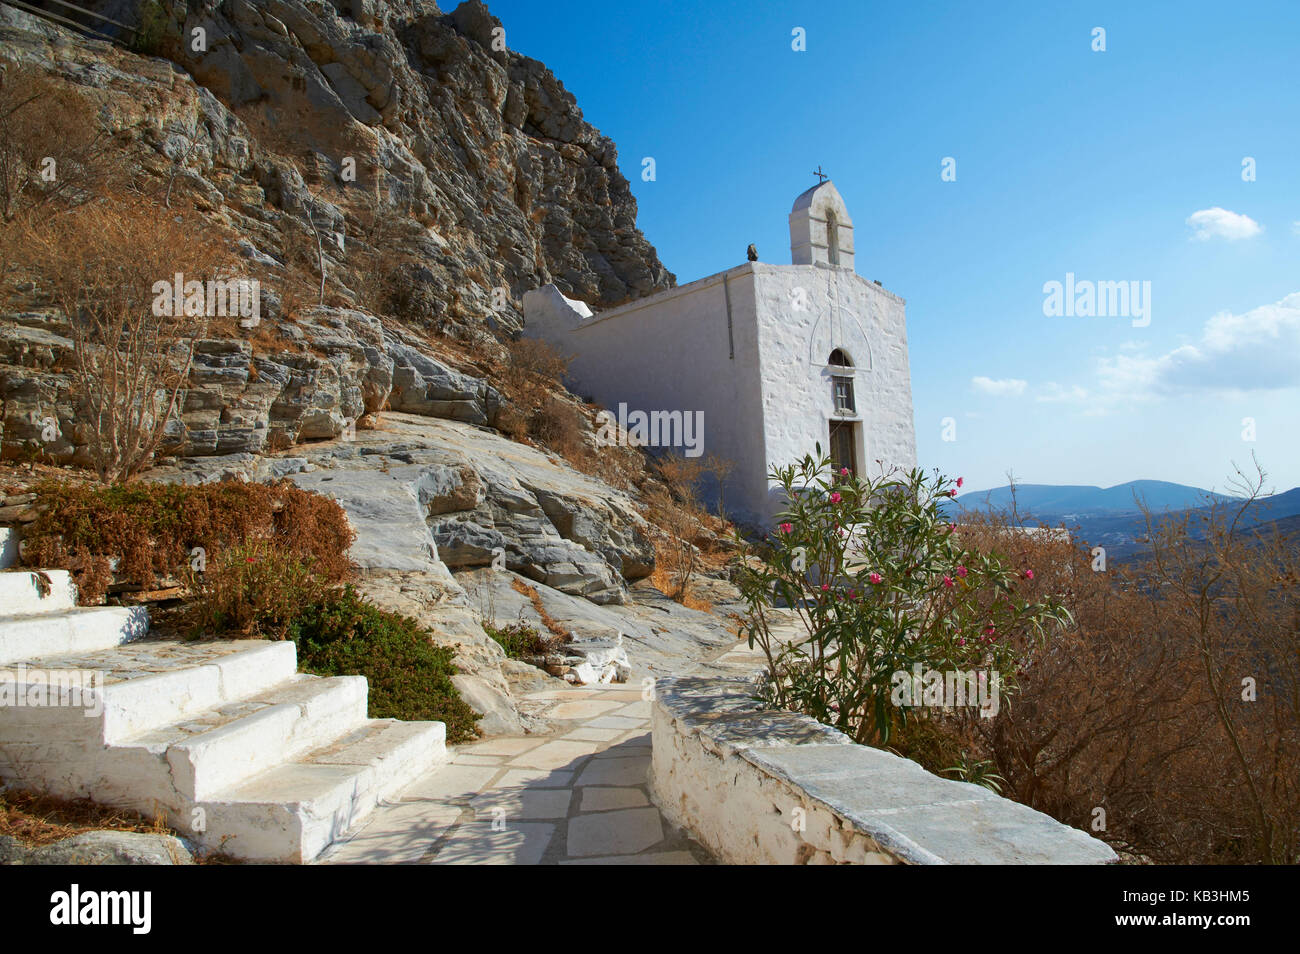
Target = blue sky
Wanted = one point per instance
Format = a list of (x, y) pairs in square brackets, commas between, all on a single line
[(1067, 160)]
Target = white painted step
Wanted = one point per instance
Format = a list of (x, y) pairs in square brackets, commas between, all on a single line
[(277, 764), (36, 592), (222, 747), (151, 683), (69, 632), (293, 812), (248, 667)]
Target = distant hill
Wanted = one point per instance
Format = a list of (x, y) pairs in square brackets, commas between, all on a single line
[(1111, 517), (1043, 500)]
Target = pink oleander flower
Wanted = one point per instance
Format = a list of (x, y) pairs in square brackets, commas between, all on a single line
[(874, 577), (961, 571), (952, 493), (947, 581), (853, 594), (835, 497), (786, 528), (989, 631), (960, 481), (952, 528), (825, 587), (961, 642), (1029, 574), (844, 471)]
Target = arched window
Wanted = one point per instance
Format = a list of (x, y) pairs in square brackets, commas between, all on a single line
[(832, 238)]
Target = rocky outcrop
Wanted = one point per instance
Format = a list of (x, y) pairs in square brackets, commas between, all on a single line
[(344, 367), (483, 151), (426, 496), (105, 847), (481, 500)]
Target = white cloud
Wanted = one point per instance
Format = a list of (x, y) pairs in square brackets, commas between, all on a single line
[(999, 387), (1255, 351), (1053, 393), (1220, 223)]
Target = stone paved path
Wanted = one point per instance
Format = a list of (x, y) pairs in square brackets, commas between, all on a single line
[(578, 796)]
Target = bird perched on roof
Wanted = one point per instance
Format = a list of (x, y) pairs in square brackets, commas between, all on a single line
[(752, 252)]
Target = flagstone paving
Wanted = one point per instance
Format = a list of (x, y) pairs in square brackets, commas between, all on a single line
[(579, 796)]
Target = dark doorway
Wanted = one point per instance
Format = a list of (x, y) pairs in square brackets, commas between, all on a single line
[(843, 451)]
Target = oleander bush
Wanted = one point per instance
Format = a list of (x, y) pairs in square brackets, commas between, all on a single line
[(1161, 715), (252, 590), (882, 590)]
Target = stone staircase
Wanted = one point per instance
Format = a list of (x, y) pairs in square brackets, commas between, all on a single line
[(226, 740)]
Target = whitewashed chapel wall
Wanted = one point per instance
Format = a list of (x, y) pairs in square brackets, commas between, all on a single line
[(672, 351), (804, 312)]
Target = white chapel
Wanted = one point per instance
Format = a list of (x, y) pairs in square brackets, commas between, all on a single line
[(774, 358)]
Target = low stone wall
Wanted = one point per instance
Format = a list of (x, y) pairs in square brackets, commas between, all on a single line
[(759, 786)]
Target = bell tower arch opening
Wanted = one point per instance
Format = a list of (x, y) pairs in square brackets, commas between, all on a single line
[(821, 231)]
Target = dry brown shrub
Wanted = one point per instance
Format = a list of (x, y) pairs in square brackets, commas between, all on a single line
[(674, 506), (1142, 709), (149, 532), (37, 819), (558, 629), (537, 369), (561, 427), (55, 150), (532, 386), (512, 423), (378, 233)]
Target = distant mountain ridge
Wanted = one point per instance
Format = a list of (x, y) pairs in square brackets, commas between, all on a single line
[(1111, 517), (1053, 499)]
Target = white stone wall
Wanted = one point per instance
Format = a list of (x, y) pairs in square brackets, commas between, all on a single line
[(806, 311), (758, 786)]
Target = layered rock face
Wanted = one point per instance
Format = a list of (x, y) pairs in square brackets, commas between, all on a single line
[(295, 118), (485, 148), (239, 400)]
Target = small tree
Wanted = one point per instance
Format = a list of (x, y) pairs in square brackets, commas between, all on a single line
[(720, 468), (676, 509), (877, 582), (99, 263)]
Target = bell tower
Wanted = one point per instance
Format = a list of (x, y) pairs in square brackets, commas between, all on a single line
[(821, 232)]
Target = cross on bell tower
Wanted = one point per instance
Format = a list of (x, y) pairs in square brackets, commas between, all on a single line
[(821, 176)]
